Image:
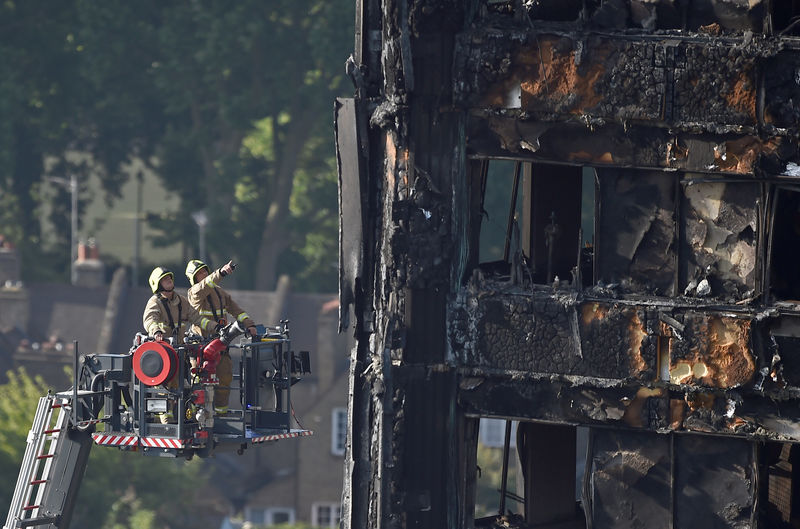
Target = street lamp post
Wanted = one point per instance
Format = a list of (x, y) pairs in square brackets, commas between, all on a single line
[(73, 190), (137, 236), (201, 219), (72, 186)]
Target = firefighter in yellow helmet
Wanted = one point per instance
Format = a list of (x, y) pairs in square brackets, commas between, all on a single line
[(167, 313), (211, 301)]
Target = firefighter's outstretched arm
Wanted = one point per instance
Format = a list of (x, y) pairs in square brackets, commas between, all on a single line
[(206, 286)]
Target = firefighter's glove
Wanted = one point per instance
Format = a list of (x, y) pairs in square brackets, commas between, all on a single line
[(227, 269)]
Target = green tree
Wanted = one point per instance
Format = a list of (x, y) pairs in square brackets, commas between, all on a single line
[(63, 113), (230, 104), (487, 494), (126, 489), (248, 119), (18, 401)]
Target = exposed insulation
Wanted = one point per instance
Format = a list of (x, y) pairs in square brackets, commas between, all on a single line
[(720, 238), (716, 352), (636, 410)]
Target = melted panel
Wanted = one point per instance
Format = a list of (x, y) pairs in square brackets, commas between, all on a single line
[(553, 77), (350, 166), (542, 335), (636, 230), (714, 351), (714, 482), (630, 482)]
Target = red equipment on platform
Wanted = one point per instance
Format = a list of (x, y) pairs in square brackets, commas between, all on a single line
[(211, 354), (155, 362)]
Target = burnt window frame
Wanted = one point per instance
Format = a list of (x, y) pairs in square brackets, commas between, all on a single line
[(478, 170), (771, 191)]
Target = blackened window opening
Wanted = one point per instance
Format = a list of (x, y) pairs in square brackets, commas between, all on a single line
[(635, 230), (786, 17), (552, 463), (496, 462), (538, 221), (551, 229), (588, 187), (785, 272), (499, 239), (556, 10)]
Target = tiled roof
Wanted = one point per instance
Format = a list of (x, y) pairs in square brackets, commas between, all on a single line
[(66, 311)]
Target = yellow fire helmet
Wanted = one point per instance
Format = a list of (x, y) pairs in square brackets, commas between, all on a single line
[(193, 267), (157, 275)]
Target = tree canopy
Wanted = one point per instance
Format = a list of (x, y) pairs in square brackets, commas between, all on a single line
[(231, 104)]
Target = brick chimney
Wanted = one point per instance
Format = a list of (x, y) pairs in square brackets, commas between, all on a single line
[(9, 263), (13, 294), (89, 269)]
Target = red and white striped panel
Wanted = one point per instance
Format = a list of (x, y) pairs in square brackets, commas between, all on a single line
[(115, 440), (277, 436), (161, 442)]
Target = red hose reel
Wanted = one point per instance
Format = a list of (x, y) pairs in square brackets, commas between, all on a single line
[(155, 363)]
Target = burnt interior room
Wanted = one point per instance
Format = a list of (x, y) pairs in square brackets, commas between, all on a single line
[(539, 217), (542, 477), (785, 272), (565, 472)]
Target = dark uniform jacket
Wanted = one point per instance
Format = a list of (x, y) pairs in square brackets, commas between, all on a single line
[(181, 314)]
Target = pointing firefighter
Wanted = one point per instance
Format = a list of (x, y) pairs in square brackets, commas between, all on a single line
[(213, 302), (167, 313)]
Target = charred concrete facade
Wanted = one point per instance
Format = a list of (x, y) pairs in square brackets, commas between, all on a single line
[(670, 327)]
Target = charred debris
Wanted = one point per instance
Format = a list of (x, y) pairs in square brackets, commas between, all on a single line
[(644, 281)]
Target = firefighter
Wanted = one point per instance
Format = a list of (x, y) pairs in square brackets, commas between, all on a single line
[(211, 301), (167, 313)]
